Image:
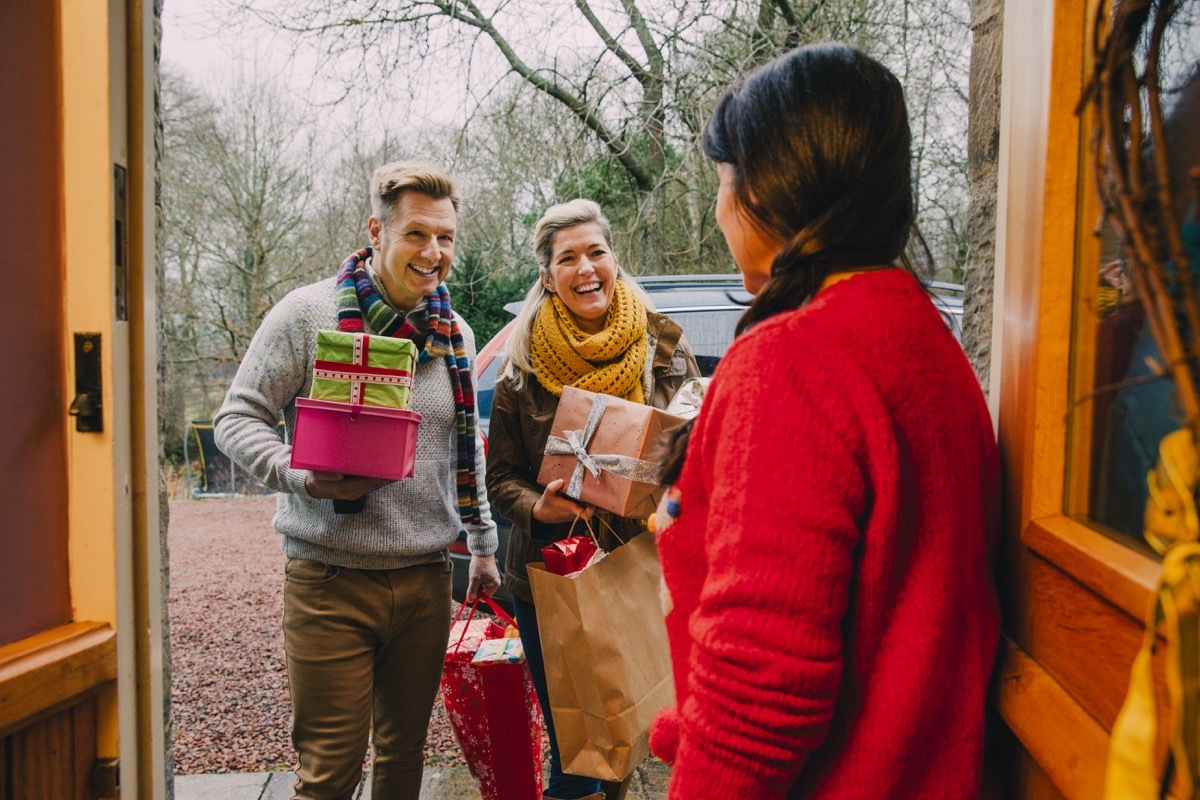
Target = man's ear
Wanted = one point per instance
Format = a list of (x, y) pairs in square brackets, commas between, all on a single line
[(373, 228)]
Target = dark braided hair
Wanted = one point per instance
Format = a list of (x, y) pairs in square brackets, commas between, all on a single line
[(820, 145)]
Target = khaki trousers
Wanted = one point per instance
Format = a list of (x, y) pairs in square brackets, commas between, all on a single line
[(363, 646)]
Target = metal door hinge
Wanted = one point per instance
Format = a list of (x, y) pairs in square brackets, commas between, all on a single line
[(120, 243)]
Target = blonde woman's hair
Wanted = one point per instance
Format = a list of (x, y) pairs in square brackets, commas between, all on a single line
[(518, 364), (392, 180)]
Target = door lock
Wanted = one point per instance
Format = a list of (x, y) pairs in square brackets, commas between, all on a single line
[(88, 406)]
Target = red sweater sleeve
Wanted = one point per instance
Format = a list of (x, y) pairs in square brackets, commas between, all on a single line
[(778, 463)]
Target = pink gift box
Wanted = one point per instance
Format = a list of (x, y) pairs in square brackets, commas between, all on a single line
[(371, 441)]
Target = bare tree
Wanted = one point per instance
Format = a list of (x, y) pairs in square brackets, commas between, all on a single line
[(634, 77), (237, 195), (606, 98)]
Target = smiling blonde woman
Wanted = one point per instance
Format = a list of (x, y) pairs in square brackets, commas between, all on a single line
[(585, 323)]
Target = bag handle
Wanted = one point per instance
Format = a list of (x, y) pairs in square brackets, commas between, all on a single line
[(496, 609), (611, 530), (1132, 772), (588, 524)]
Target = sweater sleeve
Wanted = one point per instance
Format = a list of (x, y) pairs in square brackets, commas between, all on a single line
[(785, 490), (509, 484), (271, 375)]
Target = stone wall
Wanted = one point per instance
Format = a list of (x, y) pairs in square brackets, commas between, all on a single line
[(983, 149), (164, 507)]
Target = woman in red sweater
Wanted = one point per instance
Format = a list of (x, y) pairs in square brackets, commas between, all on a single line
[(831, 611)]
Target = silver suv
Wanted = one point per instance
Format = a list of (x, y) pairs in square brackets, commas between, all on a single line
[(707, 307)]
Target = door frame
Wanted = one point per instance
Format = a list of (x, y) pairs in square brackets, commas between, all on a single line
[(1073, 598)]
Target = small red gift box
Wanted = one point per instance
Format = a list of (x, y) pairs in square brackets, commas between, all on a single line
[(568, 555)]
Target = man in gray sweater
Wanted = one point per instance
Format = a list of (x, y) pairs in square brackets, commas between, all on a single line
[(367, 594)]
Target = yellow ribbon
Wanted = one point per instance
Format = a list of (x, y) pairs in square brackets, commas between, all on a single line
[(1132, 771)]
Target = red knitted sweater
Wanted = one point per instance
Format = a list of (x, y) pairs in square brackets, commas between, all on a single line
[(834, 619)]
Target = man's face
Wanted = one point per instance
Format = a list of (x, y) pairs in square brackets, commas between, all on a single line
[(413, 252)]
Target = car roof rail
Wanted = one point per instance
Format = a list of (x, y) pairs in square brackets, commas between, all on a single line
[(688, 280), (652, 282), (945, 287)]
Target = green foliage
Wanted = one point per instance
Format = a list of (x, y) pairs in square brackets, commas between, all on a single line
[(479, 294), (171, 442), (604, 180)]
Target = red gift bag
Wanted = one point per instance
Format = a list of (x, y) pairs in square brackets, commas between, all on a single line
[(493, 712)]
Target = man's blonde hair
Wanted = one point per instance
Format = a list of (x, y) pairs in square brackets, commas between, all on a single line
[(392, 180)]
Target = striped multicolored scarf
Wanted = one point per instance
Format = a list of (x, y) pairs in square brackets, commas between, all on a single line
[(357, 300)]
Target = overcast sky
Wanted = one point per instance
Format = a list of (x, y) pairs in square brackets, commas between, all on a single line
[(203, 42), (195, 42)]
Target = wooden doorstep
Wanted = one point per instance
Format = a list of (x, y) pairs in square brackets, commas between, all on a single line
[(1067, 743), (54, 669)]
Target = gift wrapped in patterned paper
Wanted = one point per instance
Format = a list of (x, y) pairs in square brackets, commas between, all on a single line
[(357, 419), (608, 450), (361, 369), (500, 651)]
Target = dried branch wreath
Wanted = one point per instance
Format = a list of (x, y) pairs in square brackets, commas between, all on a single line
[(1134, 180), (1137, 196)]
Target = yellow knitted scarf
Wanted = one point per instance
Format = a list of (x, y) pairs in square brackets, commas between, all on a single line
[(609, 362)]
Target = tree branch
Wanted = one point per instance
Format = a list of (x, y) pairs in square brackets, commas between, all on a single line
[(586, 113), (612, 44)]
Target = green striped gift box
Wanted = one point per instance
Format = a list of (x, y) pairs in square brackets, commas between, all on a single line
[(362, 369)]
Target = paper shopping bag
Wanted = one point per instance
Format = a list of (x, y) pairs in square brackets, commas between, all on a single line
[(608, 668)]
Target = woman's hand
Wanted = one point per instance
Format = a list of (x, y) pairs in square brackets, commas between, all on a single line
[(553, 507), (336, 486)]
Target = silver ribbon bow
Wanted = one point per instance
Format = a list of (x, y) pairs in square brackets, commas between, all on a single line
[(575, 444)]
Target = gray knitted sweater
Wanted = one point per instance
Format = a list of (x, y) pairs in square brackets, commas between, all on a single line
[(405, 523)]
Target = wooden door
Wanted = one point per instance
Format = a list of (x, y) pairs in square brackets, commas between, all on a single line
[(78, 704), (1074, 587), (33, 448)]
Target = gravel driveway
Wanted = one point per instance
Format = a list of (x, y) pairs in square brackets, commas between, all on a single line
[(229, 692)]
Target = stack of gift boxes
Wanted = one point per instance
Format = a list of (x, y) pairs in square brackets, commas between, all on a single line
[(485, 642), (357, 419)]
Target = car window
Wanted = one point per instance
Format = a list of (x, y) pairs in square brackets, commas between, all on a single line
[(708, 331), (486, 390), (948, 299)]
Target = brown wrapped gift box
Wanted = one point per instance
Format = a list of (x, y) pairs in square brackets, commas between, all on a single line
[(623, 451)]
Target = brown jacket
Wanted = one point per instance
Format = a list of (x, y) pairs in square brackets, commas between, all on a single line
[(517, 433)]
